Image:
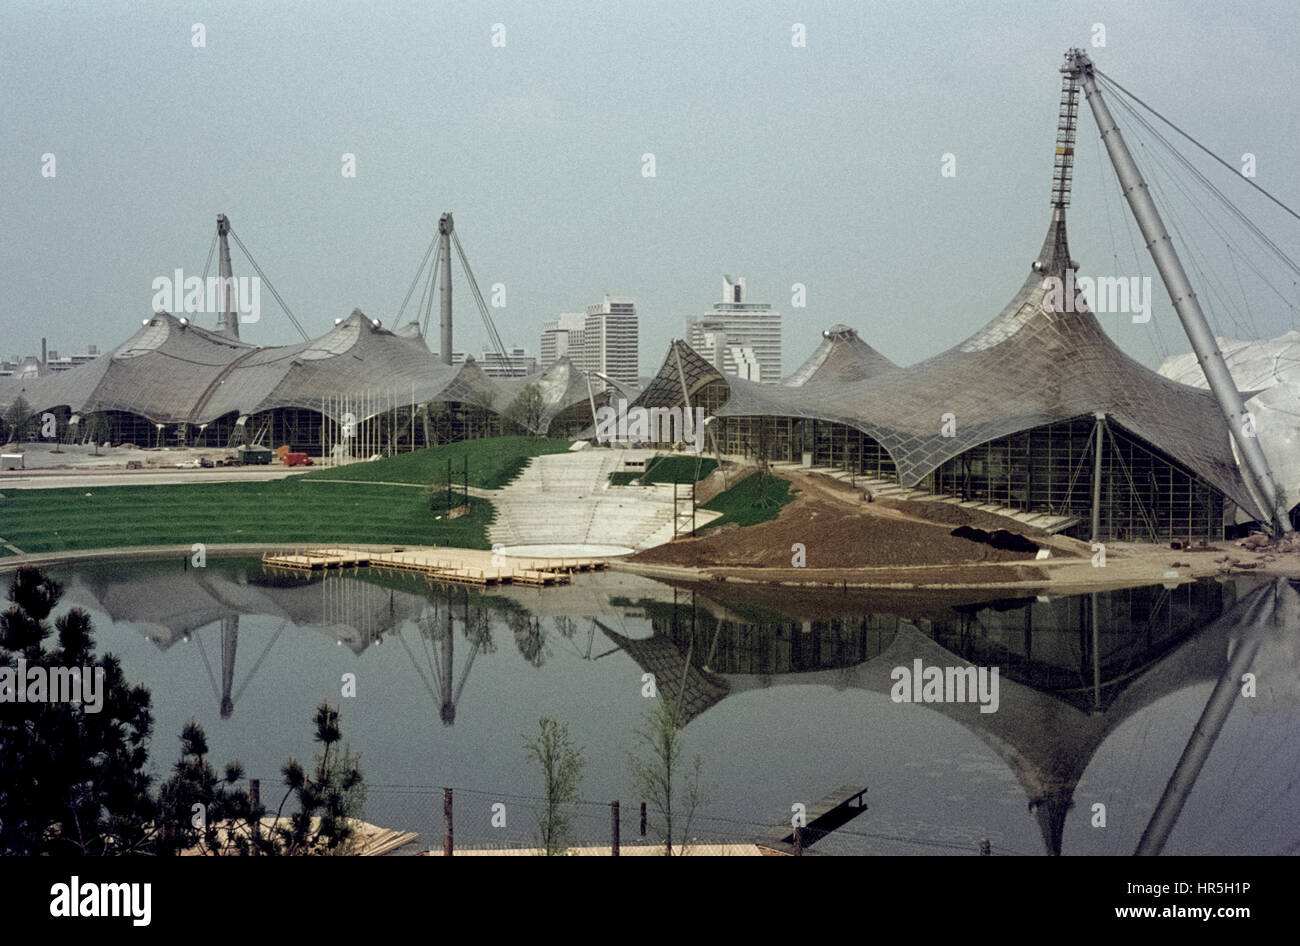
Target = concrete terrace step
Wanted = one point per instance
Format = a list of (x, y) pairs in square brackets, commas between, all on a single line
[(567, 499)]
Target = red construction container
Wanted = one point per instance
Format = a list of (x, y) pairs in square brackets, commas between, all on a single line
[(297, 459)]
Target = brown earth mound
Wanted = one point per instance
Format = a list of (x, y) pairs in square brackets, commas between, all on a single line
[(837, 532)]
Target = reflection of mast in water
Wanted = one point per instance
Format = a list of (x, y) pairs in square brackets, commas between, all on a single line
[(437, 627), (229, 649), (229, 645), (1264, 608)]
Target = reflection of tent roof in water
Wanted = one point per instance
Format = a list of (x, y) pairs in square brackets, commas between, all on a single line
[(171, 606), (676, 677), (1047, 737)]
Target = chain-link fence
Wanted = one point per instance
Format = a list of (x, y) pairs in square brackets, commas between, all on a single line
[(496, 822)]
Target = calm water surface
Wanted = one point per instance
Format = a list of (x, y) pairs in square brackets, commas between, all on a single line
[(788, 698)]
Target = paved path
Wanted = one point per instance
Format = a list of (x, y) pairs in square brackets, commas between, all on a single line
[(73, 479)]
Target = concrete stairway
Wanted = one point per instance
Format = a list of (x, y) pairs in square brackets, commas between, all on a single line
[(566, 499)]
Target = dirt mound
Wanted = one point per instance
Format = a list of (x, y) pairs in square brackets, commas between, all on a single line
[(834, 534)]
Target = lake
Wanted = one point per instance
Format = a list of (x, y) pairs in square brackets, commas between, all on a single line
[(788, 693)]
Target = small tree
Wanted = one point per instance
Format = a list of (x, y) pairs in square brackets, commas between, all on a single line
[(669, 784), (562, 767), (437, 423), (203, 812), (335, 793), (17, 417), (482, 404), (227, 822), (96, 427), (526, 410)]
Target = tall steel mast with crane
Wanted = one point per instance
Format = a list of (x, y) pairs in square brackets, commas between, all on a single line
[(1258, 476)]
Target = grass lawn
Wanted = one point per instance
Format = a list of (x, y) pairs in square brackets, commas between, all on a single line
[(493, 462), (668, 470), (289, 511), (740, 503)]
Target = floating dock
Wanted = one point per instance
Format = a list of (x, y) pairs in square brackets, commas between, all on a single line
[(463, 566)]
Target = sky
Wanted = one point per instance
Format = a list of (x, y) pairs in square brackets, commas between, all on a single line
[(817, 164)]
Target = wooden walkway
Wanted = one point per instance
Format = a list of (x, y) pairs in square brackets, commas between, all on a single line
[(463, 566), (833, 810)]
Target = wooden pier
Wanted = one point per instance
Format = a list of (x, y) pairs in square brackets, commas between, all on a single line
[(833, 810), (462, 566)]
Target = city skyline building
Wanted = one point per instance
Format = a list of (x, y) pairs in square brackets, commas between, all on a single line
[(562, 336), (739, 337), (610, 342)]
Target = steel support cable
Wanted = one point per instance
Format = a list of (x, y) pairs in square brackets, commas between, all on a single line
[(416, 278), (1110, 227), (1243, 319), (1176, 223), (261, 275), (1111, 83), (428, 292), (1195, 255), (1260, 236), (1222, 197), (1219, 231), (258, 663), (1153, 325), (207, 266), (482, 306)]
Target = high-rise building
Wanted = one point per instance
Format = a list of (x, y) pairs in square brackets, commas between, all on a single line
[(520, 363), (562, 336), (610, 342), (739, 337)]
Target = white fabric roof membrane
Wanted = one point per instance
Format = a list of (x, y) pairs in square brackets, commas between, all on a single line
[(171, 372), (1267, 373)]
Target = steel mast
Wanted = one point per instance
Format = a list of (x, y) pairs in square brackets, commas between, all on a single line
[(227, 318), (444, 230), (1080, 67)]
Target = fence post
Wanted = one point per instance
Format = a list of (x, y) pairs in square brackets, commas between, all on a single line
[(447, 845), (798, 841), (986, 849), (642, 819), (255, 792), (613, 822)]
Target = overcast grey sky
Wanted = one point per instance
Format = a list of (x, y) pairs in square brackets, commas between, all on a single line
[(818, 165)]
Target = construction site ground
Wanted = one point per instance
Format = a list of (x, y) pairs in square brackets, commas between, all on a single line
[(892, 543)]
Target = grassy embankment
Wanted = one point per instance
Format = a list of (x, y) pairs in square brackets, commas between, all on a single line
[(667, 470), (314, 507), (742, 503)]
